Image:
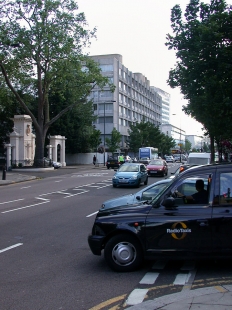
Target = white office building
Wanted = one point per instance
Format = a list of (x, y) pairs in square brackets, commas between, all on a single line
[(132, 101), (165, 105), (176, 133)]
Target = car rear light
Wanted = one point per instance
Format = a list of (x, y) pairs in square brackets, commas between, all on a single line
[(181, 169)]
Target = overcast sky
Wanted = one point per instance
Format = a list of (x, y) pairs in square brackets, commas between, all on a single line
[(137, 30)]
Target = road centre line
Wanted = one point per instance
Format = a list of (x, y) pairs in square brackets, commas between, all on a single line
[(11, 247), (2, 203), (25, 187), (36, 204)]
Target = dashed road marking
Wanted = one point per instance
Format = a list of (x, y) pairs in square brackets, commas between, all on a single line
[(2, 203), (149, 278), (11, 247)]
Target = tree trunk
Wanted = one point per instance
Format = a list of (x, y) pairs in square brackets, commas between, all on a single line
[(39, 148)]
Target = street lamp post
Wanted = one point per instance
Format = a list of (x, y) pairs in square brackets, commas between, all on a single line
[(180, 138), (104, 145)]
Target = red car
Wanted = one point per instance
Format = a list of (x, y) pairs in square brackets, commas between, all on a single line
[(157, 167)]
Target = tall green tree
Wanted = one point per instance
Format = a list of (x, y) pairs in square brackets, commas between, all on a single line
[(114, 142), (188, 146), (41, 45), (95, 139), (202, 41)]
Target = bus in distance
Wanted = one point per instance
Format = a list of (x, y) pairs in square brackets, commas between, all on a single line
[(149, 152)]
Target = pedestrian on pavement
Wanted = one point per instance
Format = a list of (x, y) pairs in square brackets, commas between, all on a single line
[(94, 160), (121, 159)]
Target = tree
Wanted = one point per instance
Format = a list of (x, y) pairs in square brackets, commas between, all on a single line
[(41, 54), (188, 145), (134, 140), (166, 144), (202, 42), (95, 139), (114, 142)]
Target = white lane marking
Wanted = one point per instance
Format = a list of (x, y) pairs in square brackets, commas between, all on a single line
[(36, 204), (2, 203), (25, 187), (181, 279), (45, 199), (63, 193), (71, 195), (136, 296), (104, 186), (11, 247), (92, 214), (58, 181), (149, 278), (160, 264)]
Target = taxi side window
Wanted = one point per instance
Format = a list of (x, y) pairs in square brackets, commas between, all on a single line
[(188, 188), (225, 196)]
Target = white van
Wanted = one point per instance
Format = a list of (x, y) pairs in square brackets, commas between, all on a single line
[(199, 158)]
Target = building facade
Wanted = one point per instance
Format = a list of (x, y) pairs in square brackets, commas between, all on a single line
[(165, 105), (132, 101), (176, 133)]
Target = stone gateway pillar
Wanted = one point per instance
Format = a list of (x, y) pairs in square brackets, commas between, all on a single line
[(22, 141)]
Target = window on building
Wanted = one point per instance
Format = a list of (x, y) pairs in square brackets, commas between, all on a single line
[(108, 120), (106, 68)]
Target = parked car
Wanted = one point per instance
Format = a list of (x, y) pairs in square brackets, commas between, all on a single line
[(169, 226), (130, 174), (144, 160), (146, 194), (56, 164), (157, 167), (113, 162)]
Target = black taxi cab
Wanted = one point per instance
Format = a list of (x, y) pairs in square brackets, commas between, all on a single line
[(169, 225)]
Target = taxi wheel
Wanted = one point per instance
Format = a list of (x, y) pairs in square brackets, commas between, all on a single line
[(145, 183), (123, 253)]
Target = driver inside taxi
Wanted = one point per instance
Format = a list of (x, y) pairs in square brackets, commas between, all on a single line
[(201, 196)]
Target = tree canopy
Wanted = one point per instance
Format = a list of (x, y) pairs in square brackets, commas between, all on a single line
[(41, 45), (145, 134), (202, 42)]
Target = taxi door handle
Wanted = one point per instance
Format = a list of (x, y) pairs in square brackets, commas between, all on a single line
[(203, 223)]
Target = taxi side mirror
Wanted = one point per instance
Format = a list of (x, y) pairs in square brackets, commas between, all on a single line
[(169, 203)]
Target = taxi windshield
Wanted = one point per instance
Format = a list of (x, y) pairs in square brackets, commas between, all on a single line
[(157, 197)]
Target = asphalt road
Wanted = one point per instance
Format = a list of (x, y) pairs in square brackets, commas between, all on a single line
[(45, 261)]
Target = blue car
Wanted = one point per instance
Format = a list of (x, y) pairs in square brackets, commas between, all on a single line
[(132, 174)]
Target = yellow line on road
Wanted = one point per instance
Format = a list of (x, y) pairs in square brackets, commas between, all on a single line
[(108, 302), (220, 289)]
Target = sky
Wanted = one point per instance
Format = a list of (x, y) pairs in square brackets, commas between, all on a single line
[(137, 30)]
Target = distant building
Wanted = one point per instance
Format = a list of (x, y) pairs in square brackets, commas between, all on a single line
[(134, 99), (176, 133)]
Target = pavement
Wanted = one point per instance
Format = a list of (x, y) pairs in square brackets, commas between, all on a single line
[(207, 298)]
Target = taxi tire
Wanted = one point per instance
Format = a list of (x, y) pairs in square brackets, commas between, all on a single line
[(115, 251), (146, 182)]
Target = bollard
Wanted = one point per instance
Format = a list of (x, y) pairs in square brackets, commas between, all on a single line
[(4, 172)]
